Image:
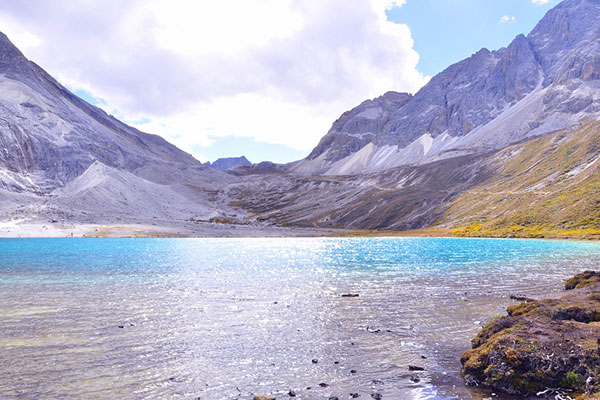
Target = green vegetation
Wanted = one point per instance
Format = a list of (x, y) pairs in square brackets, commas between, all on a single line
[(572, 381), (547, 187)]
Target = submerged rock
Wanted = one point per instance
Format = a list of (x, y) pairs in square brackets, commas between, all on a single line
[(541, 344)]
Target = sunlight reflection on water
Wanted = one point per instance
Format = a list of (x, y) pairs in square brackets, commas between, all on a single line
[(226, 318)]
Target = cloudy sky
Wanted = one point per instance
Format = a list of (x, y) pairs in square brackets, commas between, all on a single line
[(264, 78)]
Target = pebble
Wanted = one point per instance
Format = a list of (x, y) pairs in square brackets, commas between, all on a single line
[(314, 361), (291, 393), (415, 368), (323, 384), (334, 398), (352, 371), (354, 395), (376, 396), (415, 379)]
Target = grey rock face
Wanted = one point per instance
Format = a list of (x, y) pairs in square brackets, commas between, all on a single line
[(359, 126), (45, 129), (225, 164), (560, 57), (65, 157)]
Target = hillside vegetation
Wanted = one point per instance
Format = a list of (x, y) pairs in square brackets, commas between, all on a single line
[(547, 187)]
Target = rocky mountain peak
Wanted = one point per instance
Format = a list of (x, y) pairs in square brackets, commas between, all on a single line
[(13, 63), (228, 163), (568, 34), (538, 84)]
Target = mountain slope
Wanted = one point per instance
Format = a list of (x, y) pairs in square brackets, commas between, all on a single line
[(538, 84), (64, 159), (548, 186)]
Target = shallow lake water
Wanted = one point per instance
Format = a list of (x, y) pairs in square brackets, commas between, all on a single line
[(229, 318)]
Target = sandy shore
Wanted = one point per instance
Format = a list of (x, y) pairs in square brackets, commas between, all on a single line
[(32, 229)]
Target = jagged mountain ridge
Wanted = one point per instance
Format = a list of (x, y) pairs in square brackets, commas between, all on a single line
[(538, 84)]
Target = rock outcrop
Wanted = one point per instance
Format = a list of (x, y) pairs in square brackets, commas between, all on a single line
[(540, 345)]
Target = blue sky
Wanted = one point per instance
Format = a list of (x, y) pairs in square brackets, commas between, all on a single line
[(260, 78), (447, 31)]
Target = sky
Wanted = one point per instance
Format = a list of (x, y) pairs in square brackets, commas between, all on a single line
[(260, 78)]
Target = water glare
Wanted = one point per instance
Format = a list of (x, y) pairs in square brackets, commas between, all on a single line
[(228, 318)]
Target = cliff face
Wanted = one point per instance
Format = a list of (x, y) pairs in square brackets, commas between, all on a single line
[(546, 81)]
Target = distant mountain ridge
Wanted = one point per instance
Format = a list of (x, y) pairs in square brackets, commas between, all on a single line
[(540, 83), (228, 163)]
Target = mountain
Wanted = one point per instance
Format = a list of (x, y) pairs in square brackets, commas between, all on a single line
[(225, 164), (540, 83), (63, 159), (504, 143)]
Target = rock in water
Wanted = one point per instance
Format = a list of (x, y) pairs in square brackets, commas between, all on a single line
[(550, 343)]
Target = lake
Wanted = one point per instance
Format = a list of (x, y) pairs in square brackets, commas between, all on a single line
[(229, 318)]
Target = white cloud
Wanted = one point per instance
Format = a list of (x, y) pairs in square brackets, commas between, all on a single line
[(279, 71), (540, 1), (508, 19)]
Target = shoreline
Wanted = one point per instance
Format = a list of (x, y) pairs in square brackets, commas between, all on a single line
[(35, 230)]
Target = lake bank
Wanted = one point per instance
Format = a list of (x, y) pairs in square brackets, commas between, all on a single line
[(189, 229)]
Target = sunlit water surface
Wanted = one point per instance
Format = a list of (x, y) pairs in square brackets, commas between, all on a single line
[(229, 318)]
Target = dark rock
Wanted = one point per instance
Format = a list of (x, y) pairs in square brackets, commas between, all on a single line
[(424, 358), (377, 382), (336, 362), (350, 295), (352, 371), (291, 393), (354, 395), (314, 361), (334, 398), (121, 326), (415, 379), (551, 343), (520, 298), (323, 384), (376, 396), (415, 368)]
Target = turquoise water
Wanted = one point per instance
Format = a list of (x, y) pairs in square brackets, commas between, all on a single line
[(228, 318)]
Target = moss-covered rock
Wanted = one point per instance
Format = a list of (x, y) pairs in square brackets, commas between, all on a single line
[(582, 280), (551, 343)]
